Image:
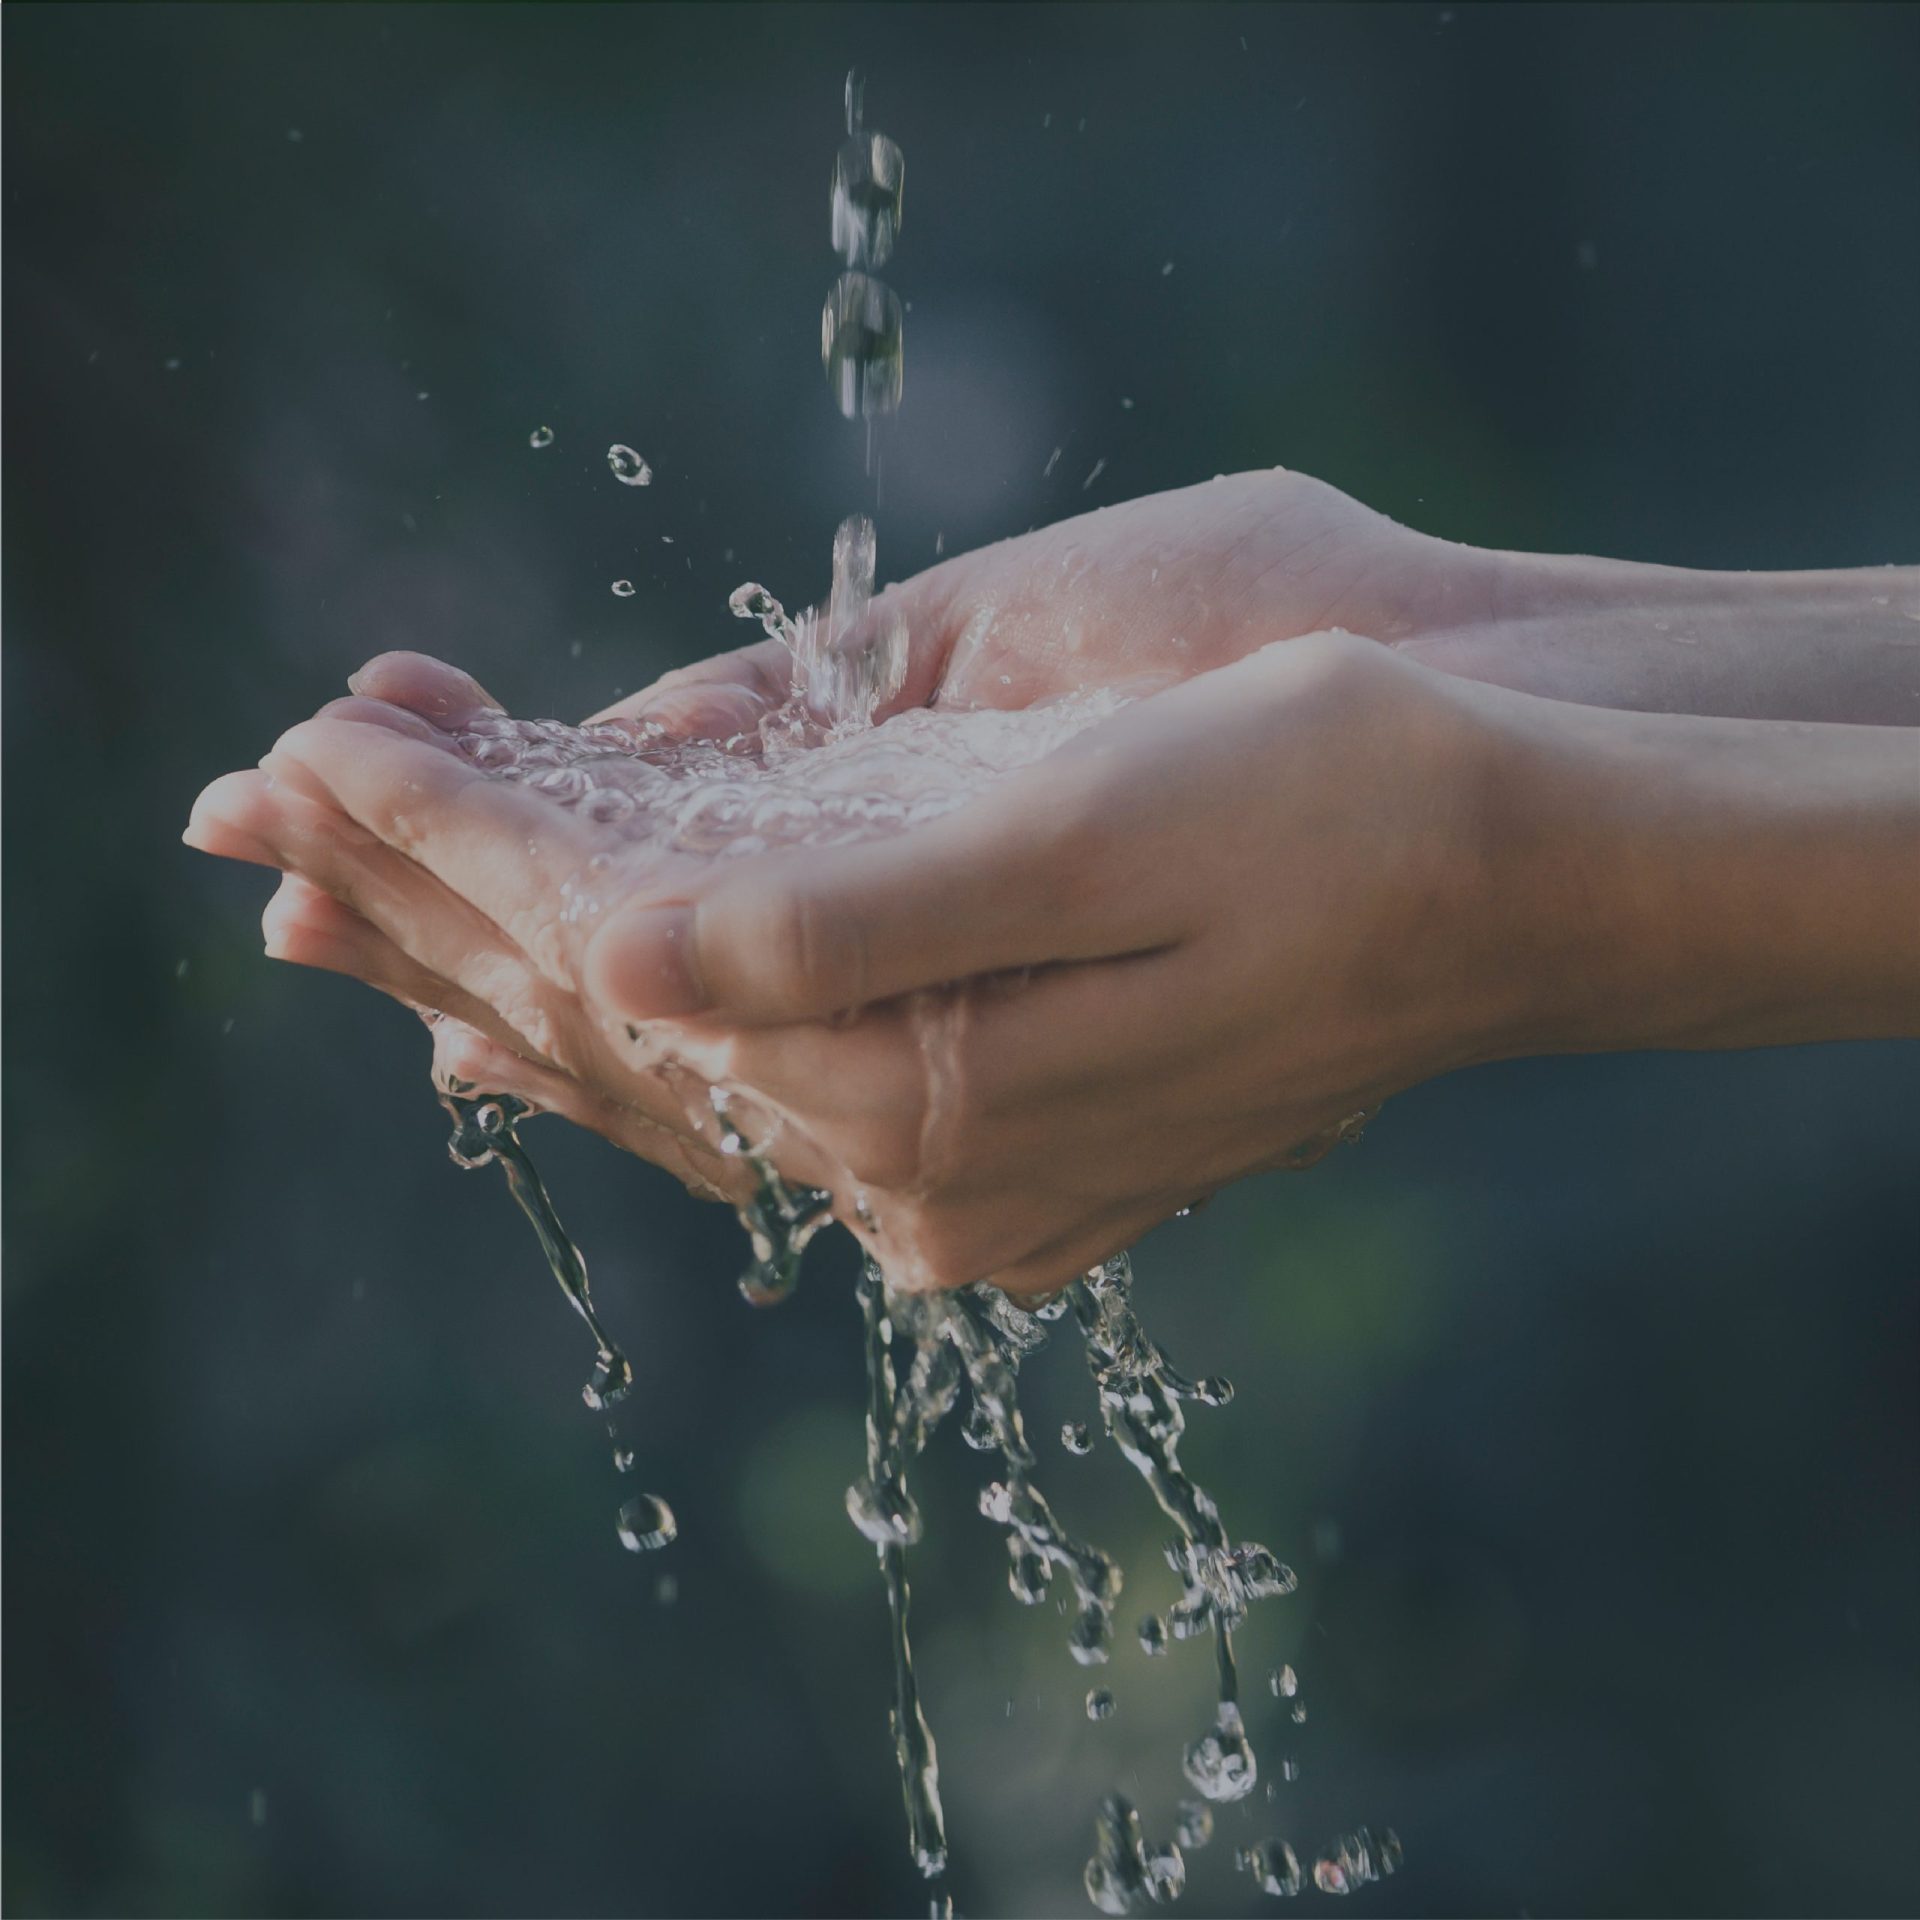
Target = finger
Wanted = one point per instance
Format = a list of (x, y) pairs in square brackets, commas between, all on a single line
[(492, 843), (1022, 877), (424, 685), (222, 820), (444, 934), (307, 927)]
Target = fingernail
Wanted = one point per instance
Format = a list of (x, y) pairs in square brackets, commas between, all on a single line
[(643, 963)]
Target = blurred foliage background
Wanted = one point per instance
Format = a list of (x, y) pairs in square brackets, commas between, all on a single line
[(1583, 1395)]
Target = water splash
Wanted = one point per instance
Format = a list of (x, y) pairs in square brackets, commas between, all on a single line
[(628, 467)]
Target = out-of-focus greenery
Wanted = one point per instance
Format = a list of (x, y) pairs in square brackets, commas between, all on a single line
[(1583, 1395)]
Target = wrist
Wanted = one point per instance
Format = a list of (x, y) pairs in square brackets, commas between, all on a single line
[(1671, 881), (1831, 647)]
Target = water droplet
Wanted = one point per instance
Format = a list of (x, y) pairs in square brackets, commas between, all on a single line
[(1194, 1827), (540, 437), (869, 176), (1153, 1635), (646, 1522), (257, 1806), (623, 1459), (1099, 467), (628, 468), (623, 589), (1126, 403), (1100, 1703), (1053, 460), (666, 1590), (1166, 269), (612, 1377), (1274, 1866), (1299, 1713), (1220, 1764), (1284, 1683), (1075, 1438), (861, 346)]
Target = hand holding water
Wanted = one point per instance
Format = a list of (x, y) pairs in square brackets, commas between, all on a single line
[(1257, 903)]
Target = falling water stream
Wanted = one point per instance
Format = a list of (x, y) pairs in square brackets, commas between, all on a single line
[(821, 772)]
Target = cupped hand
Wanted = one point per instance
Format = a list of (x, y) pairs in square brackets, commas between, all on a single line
[(1138, 595), (1205, 938), (447, 891)]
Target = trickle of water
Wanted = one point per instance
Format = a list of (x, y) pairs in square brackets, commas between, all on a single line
[(1075, 1437), (484, 1131), (623, 589), (897, 1428), (1100, 1703), (647, 1522), (540, 437), (780, 1220), (628, 467), (869, 177), (1274, 1866), (862, 346), (1125, 1874)]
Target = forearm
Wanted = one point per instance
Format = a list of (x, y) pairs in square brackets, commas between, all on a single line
[(1839, 646), (1671, 881)]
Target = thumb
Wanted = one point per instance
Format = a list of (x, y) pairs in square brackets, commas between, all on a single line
[(1003, 883)]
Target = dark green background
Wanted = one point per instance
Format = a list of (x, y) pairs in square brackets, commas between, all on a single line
[(1583, 1395)]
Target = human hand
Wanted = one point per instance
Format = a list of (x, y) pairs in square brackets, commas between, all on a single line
[(1209, 935), (1138, 595), (1135, 596)]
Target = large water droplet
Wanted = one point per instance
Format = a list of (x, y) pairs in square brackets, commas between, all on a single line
[(540, 437), (628, 468), (861, 346), (1220, 1763), (869, 174), (623, 589), (646, 1522)]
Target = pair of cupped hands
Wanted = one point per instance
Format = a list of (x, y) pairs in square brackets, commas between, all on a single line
[(1206, 937)]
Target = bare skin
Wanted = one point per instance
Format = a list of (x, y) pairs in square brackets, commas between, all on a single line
[(1293, 881)]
